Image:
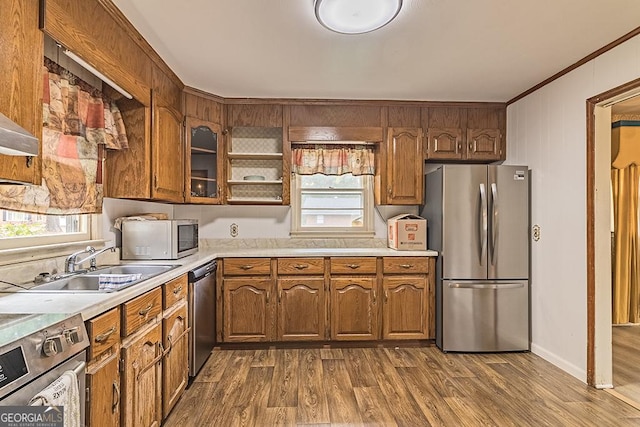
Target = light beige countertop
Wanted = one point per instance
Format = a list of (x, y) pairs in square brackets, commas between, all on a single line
[(91, 304)]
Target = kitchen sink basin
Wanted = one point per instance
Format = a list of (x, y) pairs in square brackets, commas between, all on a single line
[(131, 274)]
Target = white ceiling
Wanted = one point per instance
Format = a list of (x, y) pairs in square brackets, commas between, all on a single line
[(435, 50)]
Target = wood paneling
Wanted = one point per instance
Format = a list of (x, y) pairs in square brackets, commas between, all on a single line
[(87, 29), (324, 133), (21, 50), (255, 115), (406, 117), (443, 117), (393, 386), (336, 115), (203, 106)]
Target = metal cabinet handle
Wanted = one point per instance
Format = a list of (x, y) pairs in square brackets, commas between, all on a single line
[(353, 266), (268, 296), (103, 337), (247, 267), (146, 310), (116, 396), (301, 266), (177, 290), (374, 297), (386, 296), (406, 265)]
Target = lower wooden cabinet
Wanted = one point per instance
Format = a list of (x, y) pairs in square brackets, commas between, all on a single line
[(405, 313), (320, 299), (301, 309), (248, 310), (103, 385), (142, 377), (175, 364), (354, 309)]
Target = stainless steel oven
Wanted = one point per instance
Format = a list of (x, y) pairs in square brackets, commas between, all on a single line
[(37, 350)]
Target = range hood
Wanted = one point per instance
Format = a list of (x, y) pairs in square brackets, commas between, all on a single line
[(15, 141)]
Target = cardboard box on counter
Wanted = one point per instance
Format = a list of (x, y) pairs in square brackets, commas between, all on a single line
[(407, 232)]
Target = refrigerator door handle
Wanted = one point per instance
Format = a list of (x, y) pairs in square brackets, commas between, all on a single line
[(494, 221), (483, 223), (485, 285)]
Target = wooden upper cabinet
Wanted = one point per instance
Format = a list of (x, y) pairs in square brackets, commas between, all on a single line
[(204, 162), (472, 134), (22, 51), (166, 139), (400, 168), (444, 143)]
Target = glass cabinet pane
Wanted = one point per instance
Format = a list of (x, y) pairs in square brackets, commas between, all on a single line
[(204, 161)]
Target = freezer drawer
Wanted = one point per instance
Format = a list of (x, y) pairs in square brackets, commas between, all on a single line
[(487, 316)]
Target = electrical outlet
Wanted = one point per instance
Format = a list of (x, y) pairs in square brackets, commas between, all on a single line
[(536, 233), (233, 230)]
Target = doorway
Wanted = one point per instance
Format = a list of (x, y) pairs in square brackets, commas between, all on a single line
[(612, 356)]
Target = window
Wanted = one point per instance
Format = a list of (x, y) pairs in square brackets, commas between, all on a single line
[(20, 229), (332, 205)]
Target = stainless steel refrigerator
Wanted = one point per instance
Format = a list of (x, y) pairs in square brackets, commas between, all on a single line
[(478, 221)]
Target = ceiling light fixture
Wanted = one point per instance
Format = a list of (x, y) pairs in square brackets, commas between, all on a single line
[(356, 16)]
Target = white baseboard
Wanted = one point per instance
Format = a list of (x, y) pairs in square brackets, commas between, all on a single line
[(561, 363)]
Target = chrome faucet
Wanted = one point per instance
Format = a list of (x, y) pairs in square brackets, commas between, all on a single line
[(72, 260)]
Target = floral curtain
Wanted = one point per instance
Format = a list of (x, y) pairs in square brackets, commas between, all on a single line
[(78, 124), (333, 161)]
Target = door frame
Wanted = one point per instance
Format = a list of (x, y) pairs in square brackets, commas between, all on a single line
[(598, 344)]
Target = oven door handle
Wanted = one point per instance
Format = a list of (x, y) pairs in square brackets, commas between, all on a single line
[(81, 367)]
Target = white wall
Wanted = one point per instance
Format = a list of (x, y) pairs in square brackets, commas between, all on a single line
[(547, 131), (254, 222)]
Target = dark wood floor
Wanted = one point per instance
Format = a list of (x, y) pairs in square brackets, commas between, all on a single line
[(391, 387), (626, 362)]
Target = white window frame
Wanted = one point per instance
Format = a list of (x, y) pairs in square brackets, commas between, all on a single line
[(368, 220), (89, 224)]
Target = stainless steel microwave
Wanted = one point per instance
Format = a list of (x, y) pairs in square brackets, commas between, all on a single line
[(161, 239)]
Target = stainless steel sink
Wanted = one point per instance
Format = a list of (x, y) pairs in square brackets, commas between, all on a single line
[(90, 281)]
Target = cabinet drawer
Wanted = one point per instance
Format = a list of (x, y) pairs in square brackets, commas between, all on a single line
[(140, 310), (175, 291), (104, 332), (405, 265), (246, 267), (300, 266), (342, 265)]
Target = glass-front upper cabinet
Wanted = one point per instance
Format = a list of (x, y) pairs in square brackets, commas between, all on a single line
[(204, 162)]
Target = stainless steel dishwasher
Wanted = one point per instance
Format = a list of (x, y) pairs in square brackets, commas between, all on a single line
[(202, 315)]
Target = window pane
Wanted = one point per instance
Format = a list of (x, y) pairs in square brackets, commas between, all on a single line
[(20, 224), (339, 200), (331, 181), (327, 218)]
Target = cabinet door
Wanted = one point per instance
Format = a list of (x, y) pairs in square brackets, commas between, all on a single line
[(354, 309), (404, 173), (301, 309), (22, 51), (204, 162), (484, 144), (142, 385), (405, 312), (167, 154), (103, 385), (444, 144), (248, 309), (175, 365)]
